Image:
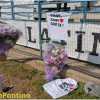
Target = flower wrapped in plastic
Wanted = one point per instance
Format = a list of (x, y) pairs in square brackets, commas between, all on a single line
[(8, 38), (54, 59)]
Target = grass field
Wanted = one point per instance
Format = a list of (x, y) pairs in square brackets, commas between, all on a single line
[(27, 79)]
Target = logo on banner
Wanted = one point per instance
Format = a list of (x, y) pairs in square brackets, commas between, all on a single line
[(57, 20)]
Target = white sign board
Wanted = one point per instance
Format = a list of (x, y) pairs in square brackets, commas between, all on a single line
[(57, 25), (90, 45), (60, 87)]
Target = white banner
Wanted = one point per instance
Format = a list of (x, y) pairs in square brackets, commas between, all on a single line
[(57, 25)]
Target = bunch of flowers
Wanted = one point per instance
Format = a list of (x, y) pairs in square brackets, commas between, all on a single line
[(58, 58), (8, 37), (54, 59)]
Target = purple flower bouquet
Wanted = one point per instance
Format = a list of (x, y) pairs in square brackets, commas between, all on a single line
[(8, 37), (54, 59)]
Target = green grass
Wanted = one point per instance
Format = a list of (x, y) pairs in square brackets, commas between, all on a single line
[(31, 80)]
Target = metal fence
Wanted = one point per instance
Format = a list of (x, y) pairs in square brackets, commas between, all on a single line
[(83, 35)]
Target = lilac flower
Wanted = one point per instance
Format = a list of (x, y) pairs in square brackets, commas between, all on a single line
[(8, 37), (1, 78), (8, 30), (54, 60)]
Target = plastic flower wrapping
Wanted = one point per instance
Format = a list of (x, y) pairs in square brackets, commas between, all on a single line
[(54, 59), (8, 37)]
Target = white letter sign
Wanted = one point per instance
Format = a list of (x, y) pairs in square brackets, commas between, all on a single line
[(57, 25)]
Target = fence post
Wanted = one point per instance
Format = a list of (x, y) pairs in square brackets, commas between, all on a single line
[(85, 10), (0, 11), (39, 20), (12, 9)]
